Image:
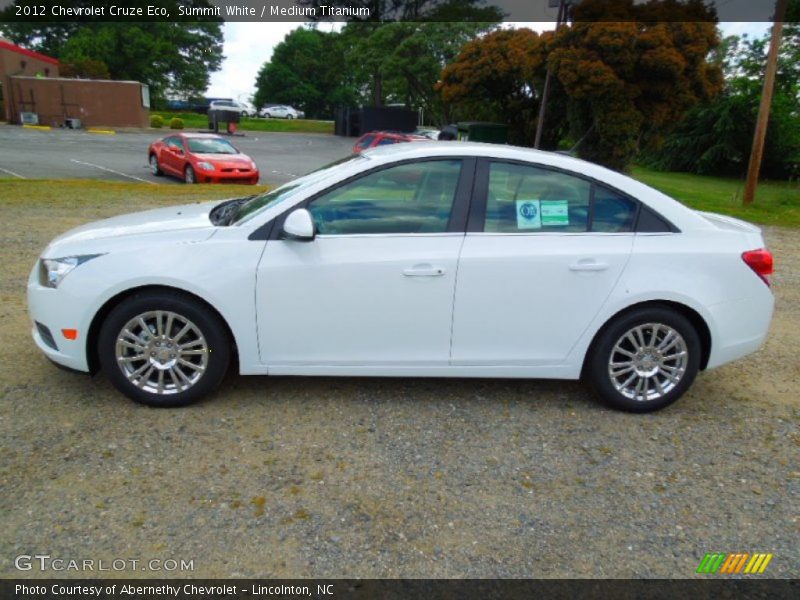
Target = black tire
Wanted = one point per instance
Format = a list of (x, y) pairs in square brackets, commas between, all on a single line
[(189, 176), (289, 117), (215, 338), (598, 371), (155, 168)]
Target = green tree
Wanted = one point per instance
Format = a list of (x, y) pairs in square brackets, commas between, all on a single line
[(451, 11), (716, 137), (306, 72), (401, 62), (173, 57)]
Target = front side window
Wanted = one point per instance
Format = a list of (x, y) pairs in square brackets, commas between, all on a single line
[(410, 198), (525, 199)]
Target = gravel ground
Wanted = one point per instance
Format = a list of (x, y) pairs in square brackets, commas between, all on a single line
[(302, 477)]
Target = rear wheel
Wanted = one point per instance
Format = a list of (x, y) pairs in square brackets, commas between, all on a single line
[(155, 169), (645, 359), (164, 349), (289, 117), (189, 175)]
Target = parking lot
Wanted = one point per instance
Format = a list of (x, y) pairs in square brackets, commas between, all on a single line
[(34, 154)]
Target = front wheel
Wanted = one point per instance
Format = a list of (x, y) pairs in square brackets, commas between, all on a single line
[(644, 360), (164, 349), (189, 175), (155, 169)]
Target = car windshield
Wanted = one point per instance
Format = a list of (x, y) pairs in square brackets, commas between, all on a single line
[(210, 146), (259, 203)]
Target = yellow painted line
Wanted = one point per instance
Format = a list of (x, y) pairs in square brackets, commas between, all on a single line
[(37, 127), (753, 564), (103, 131), (764, 564)]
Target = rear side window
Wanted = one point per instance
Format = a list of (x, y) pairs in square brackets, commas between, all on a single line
[(386, 141), (613, 213), (531, 199), (525, 199)]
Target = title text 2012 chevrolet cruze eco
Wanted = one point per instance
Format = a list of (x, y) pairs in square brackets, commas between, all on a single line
[(441, 260)]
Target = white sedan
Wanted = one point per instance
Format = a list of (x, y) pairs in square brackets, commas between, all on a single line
[(282, 112), (422, 260)]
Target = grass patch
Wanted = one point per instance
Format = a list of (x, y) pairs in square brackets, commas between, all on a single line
[(110, 196), (776, 203), (40, 209), (198, 121)]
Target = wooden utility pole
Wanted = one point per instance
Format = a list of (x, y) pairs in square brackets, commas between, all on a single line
[(562, 15), (757, 152)]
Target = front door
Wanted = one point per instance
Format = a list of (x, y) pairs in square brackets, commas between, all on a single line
[(375, 287)]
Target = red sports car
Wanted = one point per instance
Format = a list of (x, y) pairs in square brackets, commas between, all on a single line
[(201, 158), (383, 138)]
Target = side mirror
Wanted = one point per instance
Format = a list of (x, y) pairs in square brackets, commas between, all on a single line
[(299, 225)]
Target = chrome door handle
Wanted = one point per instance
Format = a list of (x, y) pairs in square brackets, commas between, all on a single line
[(588, 264), (423, 271)]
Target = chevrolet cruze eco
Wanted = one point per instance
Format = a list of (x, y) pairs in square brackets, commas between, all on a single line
[(423, 260)]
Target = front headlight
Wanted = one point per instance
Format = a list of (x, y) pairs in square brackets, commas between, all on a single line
[(55, 269), (206, 166)]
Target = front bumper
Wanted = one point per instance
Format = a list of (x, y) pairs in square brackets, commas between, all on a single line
[(218, 176), (52, 310)]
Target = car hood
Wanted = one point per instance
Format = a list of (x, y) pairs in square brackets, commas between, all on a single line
[(190, 221), (218, 159)]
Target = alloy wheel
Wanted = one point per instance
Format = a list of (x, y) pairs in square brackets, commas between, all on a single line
[(648, 361), (162, 352)]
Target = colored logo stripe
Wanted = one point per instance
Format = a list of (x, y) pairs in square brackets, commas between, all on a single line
[(720, 562), (758, 563), (711, 562), (734, 562)]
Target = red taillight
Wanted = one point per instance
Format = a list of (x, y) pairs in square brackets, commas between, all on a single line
[(760, 261)]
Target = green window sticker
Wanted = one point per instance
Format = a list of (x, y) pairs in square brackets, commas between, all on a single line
[(529, 214), (554, 213)]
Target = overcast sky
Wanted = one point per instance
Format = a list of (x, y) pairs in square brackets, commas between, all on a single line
[(249, 45)]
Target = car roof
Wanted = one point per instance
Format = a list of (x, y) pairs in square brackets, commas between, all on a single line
[(203, 135), (673, 210)]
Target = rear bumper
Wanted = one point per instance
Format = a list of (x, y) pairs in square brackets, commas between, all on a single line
[(741, 328)]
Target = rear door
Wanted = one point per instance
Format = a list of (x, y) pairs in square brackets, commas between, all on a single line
[(544, 250)]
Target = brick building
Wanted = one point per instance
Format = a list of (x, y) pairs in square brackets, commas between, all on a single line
[(30, 82)]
